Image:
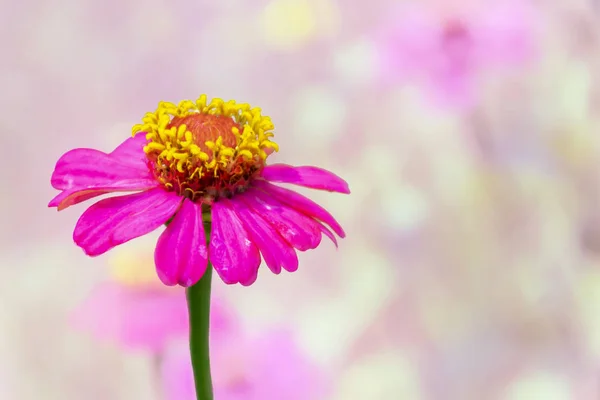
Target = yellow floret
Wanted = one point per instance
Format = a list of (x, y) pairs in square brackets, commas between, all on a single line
[(175, 147)]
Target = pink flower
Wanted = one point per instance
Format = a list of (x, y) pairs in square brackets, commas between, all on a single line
[(191, 163), (447, 51), (269, 367), (142, 317), (153, 317)]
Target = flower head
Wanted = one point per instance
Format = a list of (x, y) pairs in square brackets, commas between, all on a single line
[(191, 163), (446, 52)]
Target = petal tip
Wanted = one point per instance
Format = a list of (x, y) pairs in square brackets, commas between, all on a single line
[(186, 283), (168, 283), (249, 282), (164, 278), (344, 187), (229, 281), (90, 253)]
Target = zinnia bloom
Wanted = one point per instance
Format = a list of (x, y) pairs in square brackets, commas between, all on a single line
[(196, 162), (448, 52)]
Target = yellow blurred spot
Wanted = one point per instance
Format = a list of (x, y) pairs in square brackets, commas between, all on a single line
[(290, 23), (577, 145), (132, 268)]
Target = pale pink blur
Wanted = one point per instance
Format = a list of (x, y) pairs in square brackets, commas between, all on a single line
[(266, 366), (449, 50), (153, 318), (142, 317)]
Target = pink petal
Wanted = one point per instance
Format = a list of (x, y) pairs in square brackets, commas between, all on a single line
[(69, 197), (302, 204), (312, 177), (328, 233), (131, 152), (181, 256), (505, 33), (275, 250), (111, 222), (85, 173), (234, 256), (296, 228)]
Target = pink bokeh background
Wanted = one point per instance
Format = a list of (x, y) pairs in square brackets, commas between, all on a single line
[(469, 135)]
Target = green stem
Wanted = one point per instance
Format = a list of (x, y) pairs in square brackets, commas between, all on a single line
[(198, 298)]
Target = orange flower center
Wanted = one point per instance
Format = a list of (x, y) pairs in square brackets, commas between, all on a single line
[(206, 127), (206, 151)]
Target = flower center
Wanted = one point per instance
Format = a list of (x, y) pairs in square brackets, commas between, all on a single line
[(206, 151), (205, 127), (456, 40)]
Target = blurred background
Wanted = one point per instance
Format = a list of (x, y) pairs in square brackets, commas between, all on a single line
[(467, 130)]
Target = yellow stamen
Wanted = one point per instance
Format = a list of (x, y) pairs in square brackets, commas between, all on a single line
[(189, 147)]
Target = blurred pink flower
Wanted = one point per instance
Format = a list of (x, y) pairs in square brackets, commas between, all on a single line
[(269, 367), (142, 317), (154, 318), (446, 52)]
